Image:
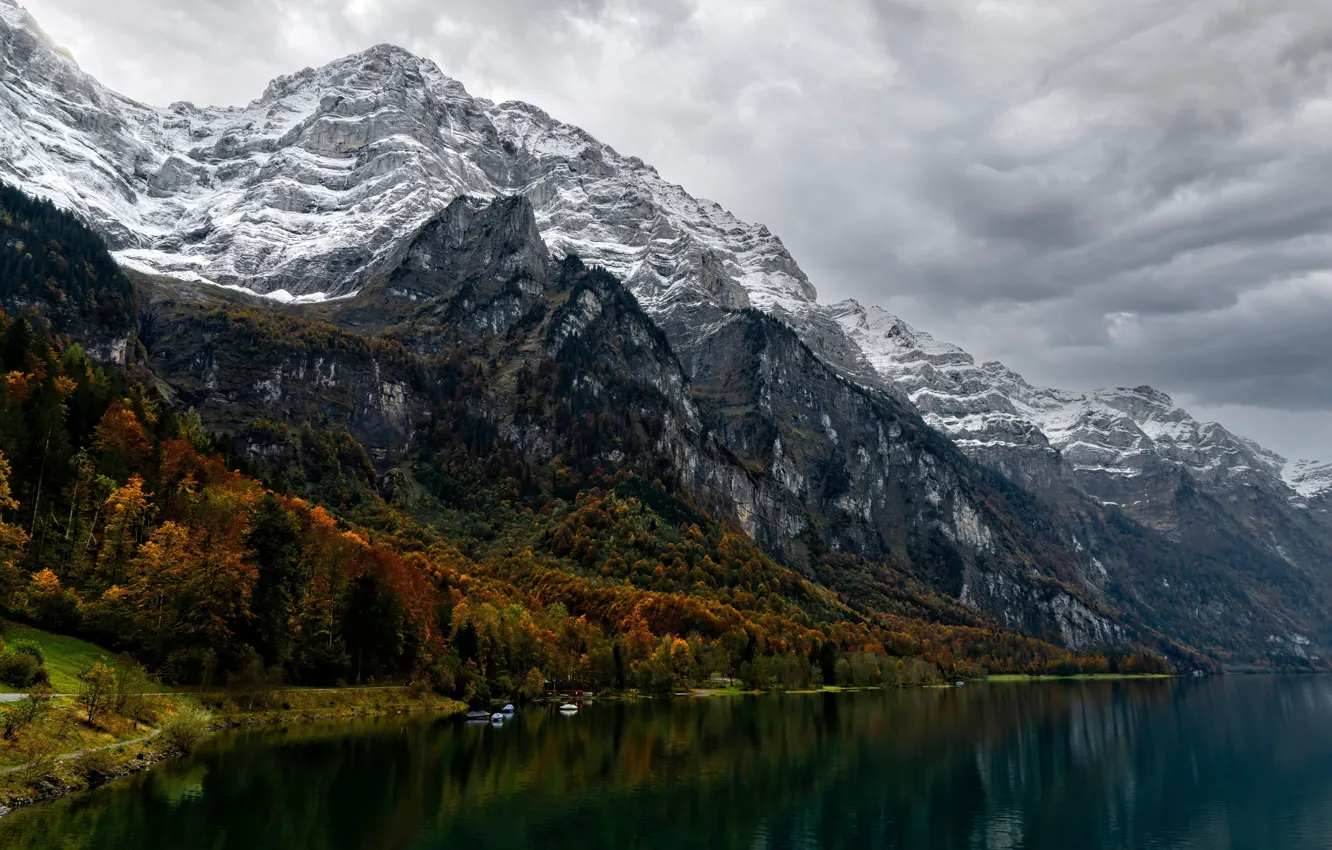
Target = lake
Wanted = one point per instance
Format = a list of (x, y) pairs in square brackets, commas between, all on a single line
[(1236, 762)]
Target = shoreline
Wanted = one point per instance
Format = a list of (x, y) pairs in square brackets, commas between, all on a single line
[(69, 774), (999, 679)]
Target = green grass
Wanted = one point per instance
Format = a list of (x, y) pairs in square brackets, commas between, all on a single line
[(64, 655)]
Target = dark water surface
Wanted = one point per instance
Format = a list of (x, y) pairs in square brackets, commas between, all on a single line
[(1229, 763)]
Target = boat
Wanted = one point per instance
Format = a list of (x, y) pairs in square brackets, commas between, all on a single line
[(478, 715), (497, 718), (568, 706), (508, 709)]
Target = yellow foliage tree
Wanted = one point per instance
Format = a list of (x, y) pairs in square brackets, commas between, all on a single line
[(13, 541)]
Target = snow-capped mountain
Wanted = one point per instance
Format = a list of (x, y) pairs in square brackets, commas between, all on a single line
[(1105, 439), (307, 191), (1309, 478), (312, 190)]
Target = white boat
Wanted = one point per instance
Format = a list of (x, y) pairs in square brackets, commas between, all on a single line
[(508, 709), (568, 706), (497, 718)]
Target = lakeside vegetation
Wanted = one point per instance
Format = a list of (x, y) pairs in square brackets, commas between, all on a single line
[(63, 656), (107, 718)]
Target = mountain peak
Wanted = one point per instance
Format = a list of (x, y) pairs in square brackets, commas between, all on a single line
[(993, 413), (318, 187), (384, 65), (14, 17), (315, 186), (1152, 394)]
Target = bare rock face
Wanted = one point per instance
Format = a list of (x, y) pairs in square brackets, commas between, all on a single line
[(474, 269), (765, 433)]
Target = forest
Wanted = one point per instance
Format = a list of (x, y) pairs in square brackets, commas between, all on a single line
[(127, 522)]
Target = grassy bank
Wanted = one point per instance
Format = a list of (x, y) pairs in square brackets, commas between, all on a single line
[(63, 754), (57, 749), (56, 741), (63, 656), (306, 705)]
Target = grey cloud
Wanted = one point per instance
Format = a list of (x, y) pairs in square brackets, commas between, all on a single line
[(1096, 191)]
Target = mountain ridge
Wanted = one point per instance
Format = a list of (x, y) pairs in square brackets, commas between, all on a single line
[(301, 118), (311, 196), (990, 405)]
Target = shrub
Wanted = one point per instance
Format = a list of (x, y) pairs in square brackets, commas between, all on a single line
[(28, 646), (186, 728), (96, 766), (132, 687), (39, 758), (26, 711), (11, 721), (19, 669)]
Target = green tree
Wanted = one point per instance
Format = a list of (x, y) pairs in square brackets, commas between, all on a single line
[(97, 685), (274, 546)]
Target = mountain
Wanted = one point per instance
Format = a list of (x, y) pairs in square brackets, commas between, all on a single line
[(377, 196), (497, 550), (480, 338), (1125, 447), (1107, 435), (285, 195), (1311, 479)]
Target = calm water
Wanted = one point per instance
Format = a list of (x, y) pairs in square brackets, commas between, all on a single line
[(1233, 763)]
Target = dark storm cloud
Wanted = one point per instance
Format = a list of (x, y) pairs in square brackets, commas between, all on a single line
[(1095, 191)]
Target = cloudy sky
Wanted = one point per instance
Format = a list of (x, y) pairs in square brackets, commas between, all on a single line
[(1097, 192)]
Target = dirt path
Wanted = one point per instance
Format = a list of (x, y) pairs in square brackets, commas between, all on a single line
[(67, 756)]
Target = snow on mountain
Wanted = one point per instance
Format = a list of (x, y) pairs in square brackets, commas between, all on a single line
[(311, 190), (995, 415), (313, 187), (1309, 478)]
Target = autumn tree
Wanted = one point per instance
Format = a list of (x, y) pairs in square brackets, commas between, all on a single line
[(127, 512), (121, 442), (97, 683), (13, 541)]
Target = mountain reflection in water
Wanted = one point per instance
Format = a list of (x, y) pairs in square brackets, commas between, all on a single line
[(1227, 763)]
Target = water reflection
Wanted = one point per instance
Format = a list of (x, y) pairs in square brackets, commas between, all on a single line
[(1243, 763)]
